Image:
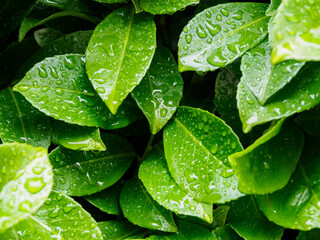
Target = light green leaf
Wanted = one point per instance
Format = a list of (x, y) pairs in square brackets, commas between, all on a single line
[(220, 34), (263, 78), (165, 6), (119, 54), (137, 6), (139, 208), (248, 221), (267, 165), (77, 137), (297, 205), (80, 173), (220, 216), (300, 94), (273, 7), (296, 31), (226, 233), (25, 182), (166, 192), (21, 122), (60, 217), (310, 121), (45, 36), (160, 91), (197, 145)]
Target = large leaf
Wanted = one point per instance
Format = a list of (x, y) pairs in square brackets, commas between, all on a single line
[(165, 6), (296, 31), (273, 7), (139, 208), (21, 122), (267, 165), (297, 205), (248, 221), (25, 182), (60, 217), (220, 34), (310, 121), (119, 54), (263, 78), (225, 233), (80, 173), (160, 91), (166, 192), (302, 93), (77, 137), (197, 145)]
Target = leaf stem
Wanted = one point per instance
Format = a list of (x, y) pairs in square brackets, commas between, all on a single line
[(147, 149)]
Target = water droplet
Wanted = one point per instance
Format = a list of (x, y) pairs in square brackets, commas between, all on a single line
[(54, 213), (201, 32), (214, 149), (227, 173), (100, 90), (163, 112), (69, 62), (200, 125), (24, 88), (37, 170), (53, 72), (219, 17), (188, 38), (25, 206), (34, 185), (224, 12), (42, 72)]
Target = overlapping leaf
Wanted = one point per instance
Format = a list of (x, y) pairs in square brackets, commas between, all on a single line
[(165, 6), (310, 121)]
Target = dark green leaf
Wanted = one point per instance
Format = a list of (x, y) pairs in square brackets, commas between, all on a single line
[(165, 6), (310, 235), (273, 7), (310, 121), (112, 1), (46, 35), (226, 233), (220, 215), (72, 5)]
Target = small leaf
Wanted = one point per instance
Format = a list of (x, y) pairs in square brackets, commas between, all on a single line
[(165, 6), (220, 34), (267, 165), (77, 137), (160, 91), (310, 121), (220, 215), (296, 31), (248, 221), (166, 192), (78, 173), (139, 208), (299, 95), (119, 54), (197, 145), (273, 7), (226, 233), (60, 217), (25, 182), (297, 205), (21, 122)]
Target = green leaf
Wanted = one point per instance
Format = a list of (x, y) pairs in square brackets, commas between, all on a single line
[(108, 199), (310, 235), (296, 31), (72, 5), (197, 145), (160, 91), (60, 217), (297, 205), (139, 208), (44, 36), (310, 121), (299, 95), (137, 6), (80, 173), (220, 215), (263, 78), (248, 221), (112, 1), (166, 192), (120, 229), (119, 54), (220, 34), (165, 6), (273, 7), (267, 165), (77, 137), (226, 233), (25, 182), (21, 122)]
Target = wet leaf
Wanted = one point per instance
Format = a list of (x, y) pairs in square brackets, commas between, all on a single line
[(25, 182), (72, 5), (310, 121), (165, 6), (226, 233), (160, 91), (273, 7), (197, 145), (220, 34), (119, 54), (137, 6), (80, 173), (139, 208)]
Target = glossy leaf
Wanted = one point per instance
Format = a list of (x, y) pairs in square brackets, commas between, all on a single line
[(108, 199), (297, 205), (77, 137), (299, 95), (44, 36), (166, 192), (267, 165), (197, 145), (226, 233), (273, 7), (220, 215), (310, 121), (120, 229), (248, 221), (72, 5), (137, 6), (160, 91), (60, 217), (220, 34), (165, 6), (80, 173), (296, 31), (111, 1), (139, 208), (21, 122), (119, 54), (25, 182), (263, 78)]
